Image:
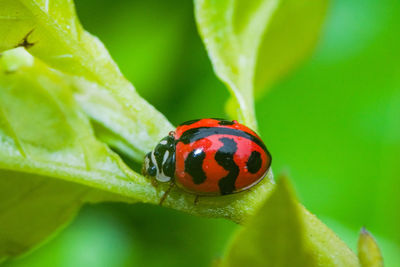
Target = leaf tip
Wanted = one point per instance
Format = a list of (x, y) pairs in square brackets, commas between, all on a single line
[(364, 231), (284, 185), (369, 253)]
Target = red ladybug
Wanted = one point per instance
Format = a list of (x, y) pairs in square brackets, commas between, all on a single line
[(209, 157)]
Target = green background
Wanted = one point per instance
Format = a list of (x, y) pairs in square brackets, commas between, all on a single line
[(333, 124)]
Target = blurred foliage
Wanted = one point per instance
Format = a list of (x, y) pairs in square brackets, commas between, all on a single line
[(284, 233), (340, 135), (253, 43), (334, 124), (114, 235)]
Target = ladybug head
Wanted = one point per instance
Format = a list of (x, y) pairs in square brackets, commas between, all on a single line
[(160, 163)]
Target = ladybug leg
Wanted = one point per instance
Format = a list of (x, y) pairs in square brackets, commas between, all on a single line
[(154, 182), (171, 185), (196, 200)]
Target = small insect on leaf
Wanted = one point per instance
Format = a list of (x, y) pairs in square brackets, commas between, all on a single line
[(369, 253)]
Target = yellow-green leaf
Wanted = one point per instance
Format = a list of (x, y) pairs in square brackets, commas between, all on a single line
[(283, 233), (50, 161), (52, 32), (369, 253), (253, 43)]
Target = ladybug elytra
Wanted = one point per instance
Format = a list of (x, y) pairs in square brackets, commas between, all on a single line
[(209, 157)]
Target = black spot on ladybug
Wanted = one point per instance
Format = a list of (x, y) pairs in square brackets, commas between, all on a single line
[(225, 122), (194, 166), (224, 157), (159, 152), (169, 166), (164, 154), (151, 170), (254, 162), (189, 122), (198, 133)]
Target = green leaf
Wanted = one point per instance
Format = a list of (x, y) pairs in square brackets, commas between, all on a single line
[(284, 233), (253, 43), (52, 32), (51, 163), (43, 135), (369, 253), (120, 116)]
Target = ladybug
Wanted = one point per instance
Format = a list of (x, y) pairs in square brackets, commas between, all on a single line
[(209, 157)]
